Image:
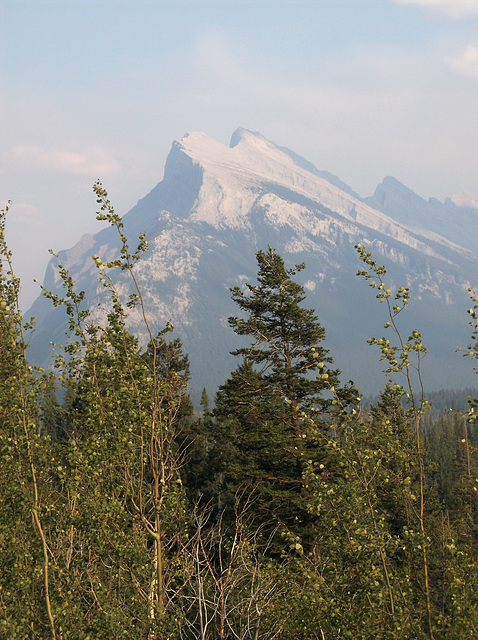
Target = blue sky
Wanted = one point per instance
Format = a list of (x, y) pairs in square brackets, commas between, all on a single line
[(361, 88)]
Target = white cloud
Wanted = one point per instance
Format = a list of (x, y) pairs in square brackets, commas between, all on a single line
[(94, 162), (452, 8), (467, 63)]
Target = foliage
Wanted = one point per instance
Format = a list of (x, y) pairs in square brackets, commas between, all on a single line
[(288, 511), (26, 499), (259, 430), (286, 337)]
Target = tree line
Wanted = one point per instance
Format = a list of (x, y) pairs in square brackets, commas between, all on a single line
[(286, 510)]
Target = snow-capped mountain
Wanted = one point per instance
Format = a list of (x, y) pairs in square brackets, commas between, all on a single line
[(218, 205)]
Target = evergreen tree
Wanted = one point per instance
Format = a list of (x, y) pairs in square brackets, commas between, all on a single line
[(172, 368), (259, 429), (445, 451), (287, 337), (51, 417), (204, 402), (392, 421), (201, 469)]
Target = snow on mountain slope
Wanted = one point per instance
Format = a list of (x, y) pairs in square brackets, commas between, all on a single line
[(217, 205), (252, 163), (455, 220), (237, 173)]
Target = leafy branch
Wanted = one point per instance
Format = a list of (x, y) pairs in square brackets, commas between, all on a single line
[(399, 361)]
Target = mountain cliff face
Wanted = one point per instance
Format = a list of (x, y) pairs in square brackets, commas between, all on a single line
[(217, 205)]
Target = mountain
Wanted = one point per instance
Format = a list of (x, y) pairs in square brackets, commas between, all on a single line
[(217, 205)]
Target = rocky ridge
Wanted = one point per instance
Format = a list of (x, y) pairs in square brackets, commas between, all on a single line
[(217, 205)]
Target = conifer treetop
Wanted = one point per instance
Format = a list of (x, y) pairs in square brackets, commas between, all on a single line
[(286, 336)]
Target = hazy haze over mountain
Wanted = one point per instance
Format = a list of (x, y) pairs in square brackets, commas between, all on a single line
[(217, 205)]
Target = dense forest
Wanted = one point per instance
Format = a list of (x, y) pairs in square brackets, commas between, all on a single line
[(287, 508)]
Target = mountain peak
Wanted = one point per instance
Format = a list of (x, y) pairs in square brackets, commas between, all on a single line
[(241, 134), (394, 188), (398, 201), (218, 204), (464, 199)]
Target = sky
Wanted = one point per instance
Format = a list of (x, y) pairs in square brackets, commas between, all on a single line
[(100, 89)]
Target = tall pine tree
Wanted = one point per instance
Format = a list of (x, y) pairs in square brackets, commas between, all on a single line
[(259, 428)]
